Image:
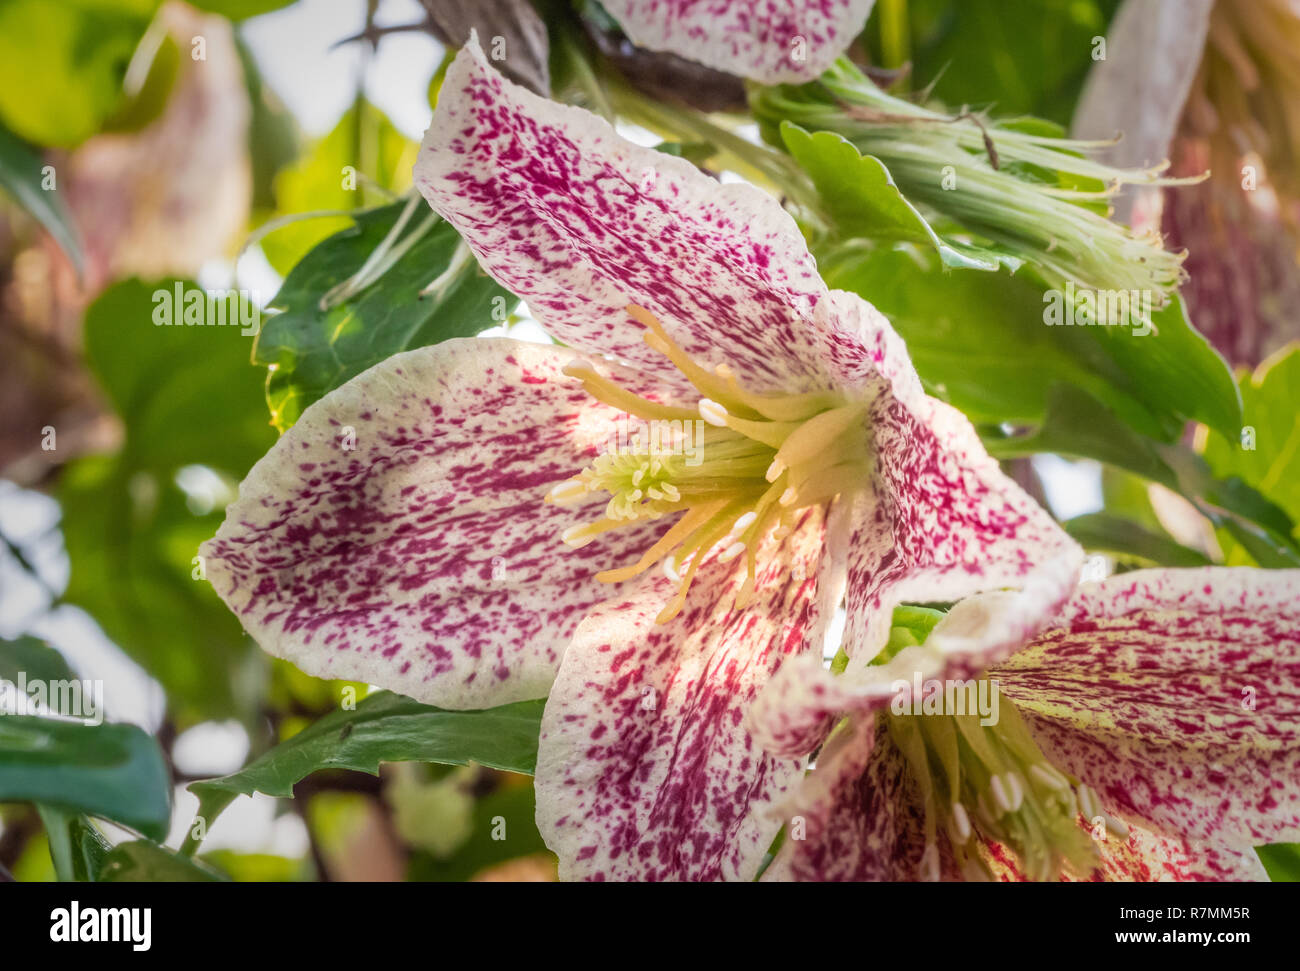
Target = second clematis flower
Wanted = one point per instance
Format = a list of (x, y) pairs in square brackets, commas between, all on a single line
[(467, 524), (1149, 731)]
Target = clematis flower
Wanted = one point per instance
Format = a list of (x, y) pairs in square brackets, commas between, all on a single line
[(1213, 85), (1150, 731), (407, 531), (773, 42)]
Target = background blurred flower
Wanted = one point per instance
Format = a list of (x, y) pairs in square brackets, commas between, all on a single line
[(1214, 86)]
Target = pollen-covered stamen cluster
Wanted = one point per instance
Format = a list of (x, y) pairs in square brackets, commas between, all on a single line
[(735, 467), (992, 780)]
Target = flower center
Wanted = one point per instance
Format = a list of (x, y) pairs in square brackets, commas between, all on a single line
[(993, 780), (736, 467)]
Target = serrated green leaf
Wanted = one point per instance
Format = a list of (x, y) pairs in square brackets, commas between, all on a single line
[(141, 861), (313, 351), (1175, 367), (384, 727), (113, 771), (865, 202)]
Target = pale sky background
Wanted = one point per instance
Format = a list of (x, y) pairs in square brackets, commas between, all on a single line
[(292, 47)]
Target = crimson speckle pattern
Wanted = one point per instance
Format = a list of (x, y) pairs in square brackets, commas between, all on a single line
[(423, 559), (378, 564), (580, 223), (1172, 693), (772, 41), (645, 769)]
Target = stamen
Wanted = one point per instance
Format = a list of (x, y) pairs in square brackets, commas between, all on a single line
[(960, 823), (579, 536), (714, 413), (1049, 776), (569, 490), (1118, 827), (929, 866), (732, 472), (993, 778), (1089, 805), (1000, 798), (606, 391), (670, 569), (1017, 791), (731, 552)]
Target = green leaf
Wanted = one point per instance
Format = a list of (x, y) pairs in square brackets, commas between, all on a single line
[(1267, 455), (512, 806), (1281, 861), (131, 542), (978, 339), (866, 203), (22, 178), (188, 397), (240, 9), (113, 771), (143, 862), (1079, 426), (34, 658), (1031, 58), (331, 176), (1108, 533), (186, 392), (1175, 367), (77, 848), (313, 351), (384, 727), (62, 65), (273, 134)]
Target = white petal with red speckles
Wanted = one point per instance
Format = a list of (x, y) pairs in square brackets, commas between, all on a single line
[(579, 223), (645, 770), (799, 705), (775, 41), (422, 558), (859, 813), (1176, 695), (1144, 856), (945, 522), (1152, 857)]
